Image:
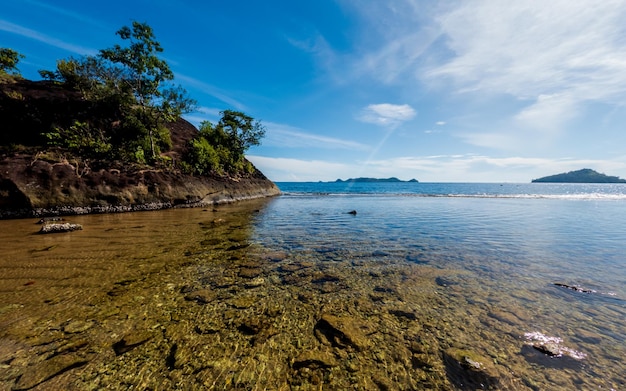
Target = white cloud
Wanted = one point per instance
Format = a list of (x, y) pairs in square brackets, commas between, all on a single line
[(439, 168), (555, 54), (296, 170), (386, 114), (288, 136), (440, 123), (37, 36), (211, 90)]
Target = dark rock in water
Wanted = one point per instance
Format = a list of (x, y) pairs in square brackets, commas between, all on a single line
[(443, 281), (340, 332), (535, 356), (59, 227), (379, 253), (203, 296), (130, 341), (551, 349), (315, 359), (574, 288), (403, 314), (416, 259), (352, 212), (471, 371), (47, 369)]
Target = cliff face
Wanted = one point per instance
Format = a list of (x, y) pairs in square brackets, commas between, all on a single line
[(30, 187), (44, 184)]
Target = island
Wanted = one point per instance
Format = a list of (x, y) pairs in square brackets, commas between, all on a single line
[(368, 180), (585, 175)]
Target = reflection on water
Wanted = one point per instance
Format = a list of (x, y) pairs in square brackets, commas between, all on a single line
[(297, 294)]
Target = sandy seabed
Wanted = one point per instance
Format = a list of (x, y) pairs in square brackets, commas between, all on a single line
[(181, 299)]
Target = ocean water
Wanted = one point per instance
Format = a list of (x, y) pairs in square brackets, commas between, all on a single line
[(427, 286), (531, 263)]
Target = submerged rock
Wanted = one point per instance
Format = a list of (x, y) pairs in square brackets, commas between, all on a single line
[(341, 332), (552, 346), (574, 288), (131, 341), (470, 370), (315, 359), (48, 369)]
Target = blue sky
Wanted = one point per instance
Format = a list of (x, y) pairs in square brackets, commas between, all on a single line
[(440, 91)]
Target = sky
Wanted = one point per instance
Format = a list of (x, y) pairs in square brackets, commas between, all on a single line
[(439, 91)]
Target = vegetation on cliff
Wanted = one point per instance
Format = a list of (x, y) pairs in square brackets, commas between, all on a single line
[(117, 106), (585, 175), (105, 133)]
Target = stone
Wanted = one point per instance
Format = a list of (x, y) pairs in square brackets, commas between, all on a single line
[(255, 283), (403, 314), (470, 370), (250, 272), (48, 369), (315, 359), (130, 341), (77, 326), (202, 296), (505, 317), (59, 227), (342, 332)]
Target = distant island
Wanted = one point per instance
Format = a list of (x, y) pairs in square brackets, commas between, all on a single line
[(392, 179), (585, 175)]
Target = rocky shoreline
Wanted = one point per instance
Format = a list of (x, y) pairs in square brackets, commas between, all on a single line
[(34, 187)]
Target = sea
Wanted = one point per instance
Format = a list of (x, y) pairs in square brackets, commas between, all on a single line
[(342, 285), (541, 263)]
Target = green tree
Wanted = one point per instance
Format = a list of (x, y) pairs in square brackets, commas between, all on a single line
[(143, 70), (9, 59), (220, 148), (240, 131), (133, 79)]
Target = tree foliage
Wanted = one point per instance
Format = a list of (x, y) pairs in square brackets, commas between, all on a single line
[(220, 148), (127, 97), (132, 79), (9, 59)]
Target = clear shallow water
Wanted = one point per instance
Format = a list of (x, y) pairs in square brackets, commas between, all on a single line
[(504, 248), (575, 233), (428, 286)]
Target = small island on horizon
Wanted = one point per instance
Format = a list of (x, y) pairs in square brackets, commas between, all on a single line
[(387, 180), (585, 175)]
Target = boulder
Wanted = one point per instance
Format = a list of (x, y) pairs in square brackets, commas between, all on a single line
[(59, 227)]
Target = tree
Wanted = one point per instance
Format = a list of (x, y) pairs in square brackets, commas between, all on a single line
[(241, 131), (146, 76), (9, 59), (144, 71), (220, 148)]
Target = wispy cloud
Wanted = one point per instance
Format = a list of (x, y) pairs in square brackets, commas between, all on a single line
[(68, 13), (386, 114), (291, 137), (296, 170), (210, 90), (37, 36), (553, 56), (203, 114)]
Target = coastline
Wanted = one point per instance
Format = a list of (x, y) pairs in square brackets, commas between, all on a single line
[(37, 188)]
